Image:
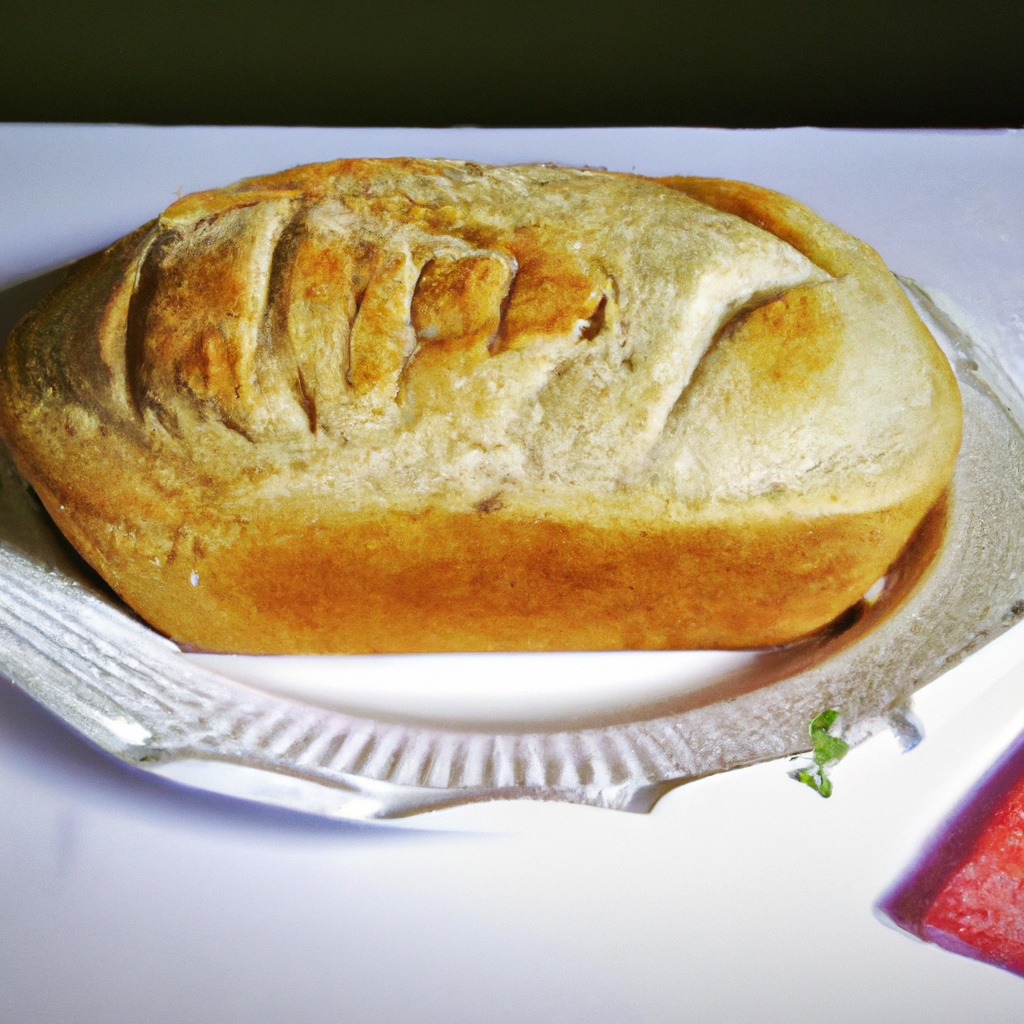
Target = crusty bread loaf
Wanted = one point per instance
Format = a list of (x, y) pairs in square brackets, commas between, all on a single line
[(408, 405)]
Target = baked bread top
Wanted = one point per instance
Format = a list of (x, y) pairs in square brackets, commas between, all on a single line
[(388, 337)]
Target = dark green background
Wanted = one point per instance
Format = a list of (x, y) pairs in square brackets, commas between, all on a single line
[(564, 62)]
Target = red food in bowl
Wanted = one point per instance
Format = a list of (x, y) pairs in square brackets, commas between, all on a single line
[(966, 893)]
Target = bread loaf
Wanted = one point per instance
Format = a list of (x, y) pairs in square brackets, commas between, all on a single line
[(411, 405)]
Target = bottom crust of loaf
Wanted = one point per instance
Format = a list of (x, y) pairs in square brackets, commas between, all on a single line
[(440, 581)]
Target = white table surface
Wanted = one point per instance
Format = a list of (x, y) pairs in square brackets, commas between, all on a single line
[(742, 897)]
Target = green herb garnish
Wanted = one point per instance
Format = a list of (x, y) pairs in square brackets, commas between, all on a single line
[(827, 751)]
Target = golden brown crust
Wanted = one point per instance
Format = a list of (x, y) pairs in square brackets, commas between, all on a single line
[(404, 583), (424, 405)]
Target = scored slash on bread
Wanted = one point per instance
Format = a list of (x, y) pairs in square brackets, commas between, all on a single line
[(410, 405)]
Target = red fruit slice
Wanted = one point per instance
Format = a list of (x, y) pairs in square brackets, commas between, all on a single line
[(966, 893)]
